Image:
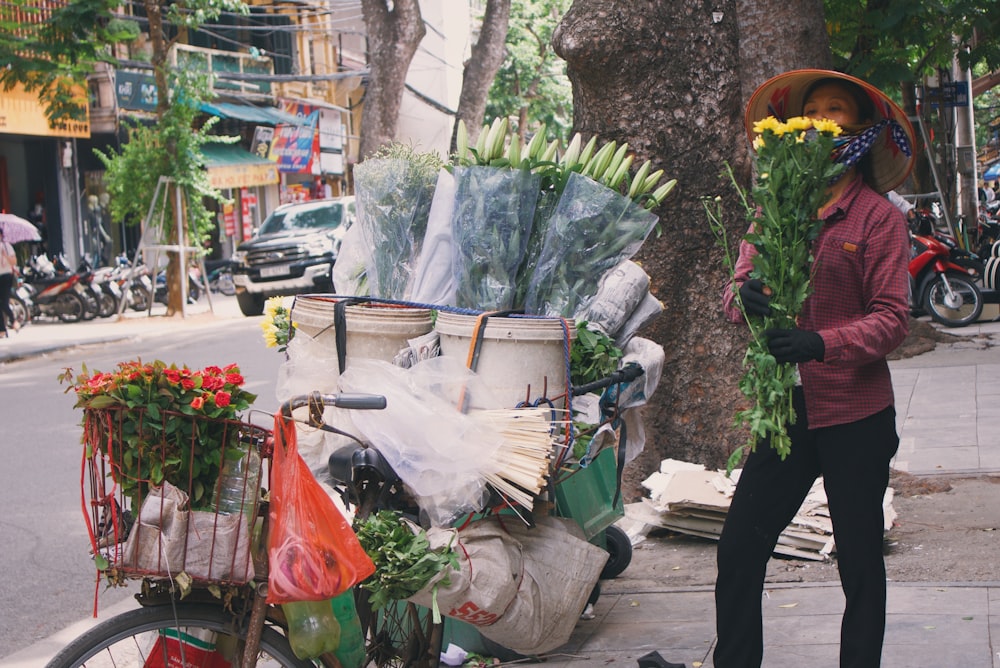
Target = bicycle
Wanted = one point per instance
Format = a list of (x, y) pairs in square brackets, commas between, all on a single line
[(247, 630)]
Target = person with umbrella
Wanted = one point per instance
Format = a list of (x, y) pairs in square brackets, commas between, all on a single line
[(8, 269)]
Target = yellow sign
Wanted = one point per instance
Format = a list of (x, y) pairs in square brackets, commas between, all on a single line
[(242, 175), (22, 114)]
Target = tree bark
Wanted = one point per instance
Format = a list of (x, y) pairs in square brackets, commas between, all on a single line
[(777, 36), (393, 37), (487, 56), (669, 79)]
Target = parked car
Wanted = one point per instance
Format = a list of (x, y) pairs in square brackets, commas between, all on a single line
[(292, 253)]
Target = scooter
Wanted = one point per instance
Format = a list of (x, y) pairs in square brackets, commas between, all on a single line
[(939, 286), (55, 295), (220, 276), (21, 306)]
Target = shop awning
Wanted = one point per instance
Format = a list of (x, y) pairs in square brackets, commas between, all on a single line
[(993, 173), (231, 166), (250, 113)]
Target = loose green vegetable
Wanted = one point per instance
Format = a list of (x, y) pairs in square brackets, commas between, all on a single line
[(404, 562), (593, 356), (794, 169)]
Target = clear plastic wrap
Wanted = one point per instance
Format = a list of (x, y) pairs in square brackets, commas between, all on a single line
[(440, 454), (434, 280), (394, 200), (592, 230), (491, 225)]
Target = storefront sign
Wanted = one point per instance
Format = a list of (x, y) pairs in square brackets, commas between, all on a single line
[(229, 219), (238, 175), (21, 113), (294, 148), (135, 90)]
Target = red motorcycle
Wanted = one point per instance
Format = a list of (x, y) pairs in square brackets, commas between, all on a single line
[(941, 288)]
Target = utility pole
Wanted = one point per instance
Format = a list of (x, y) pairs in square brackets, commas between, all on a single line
[(965, 148)]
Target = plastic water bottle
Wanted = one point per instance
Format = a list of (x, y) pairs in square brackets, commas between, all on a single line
[(238, 481), (351, 652), (312, 628)]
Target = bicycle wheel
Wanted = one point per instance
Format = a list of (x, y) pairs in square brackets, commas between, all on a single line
[(402, 634), (399, 635), (128, 639)]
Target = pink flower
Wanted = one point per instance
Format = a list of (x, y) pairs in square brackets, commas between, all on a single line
[(198, 403), (222, 399)]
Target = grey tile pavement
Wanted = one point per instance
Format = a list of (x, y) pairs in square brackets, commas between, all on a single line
[(948, 407)]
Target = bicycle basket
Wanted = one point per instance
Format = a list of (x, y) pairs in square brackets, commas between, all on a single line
[(171, 493)]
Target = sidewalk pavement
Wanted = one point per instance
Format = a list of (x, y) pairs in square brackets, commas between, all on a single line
[(948, 405)]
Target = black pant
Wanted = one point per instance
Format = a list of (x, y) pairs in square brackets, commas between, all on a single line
[(6, 283), (854, 462)]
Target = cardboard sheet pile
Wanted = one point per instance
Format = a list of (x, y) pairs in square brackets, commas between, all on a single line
[(687, 498)]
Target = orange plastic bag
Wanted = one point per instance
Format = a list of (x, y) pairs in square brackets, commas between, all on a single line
[(313, 553)]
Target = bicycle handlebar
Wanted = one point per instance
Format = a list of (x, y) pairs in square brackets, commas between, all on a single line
[(351, 400), (626, 374)]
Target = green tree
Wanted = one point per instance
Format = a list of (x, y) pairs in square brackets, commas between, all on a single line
[(61, 50), (531, 84), (51, 52), (889, 41)]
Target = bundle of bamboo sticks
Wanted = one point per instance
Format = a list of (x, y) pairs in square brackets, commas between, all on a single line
[(520, 466)]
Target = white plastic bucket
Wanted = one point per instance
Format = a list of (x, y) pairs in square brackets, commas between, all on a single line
[(520, 358), (375, 331)]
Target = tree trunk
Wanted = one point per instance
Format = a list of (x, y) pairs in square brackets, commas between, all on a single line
[(393, 37), (487, 56), (777, 36), (667, 78)]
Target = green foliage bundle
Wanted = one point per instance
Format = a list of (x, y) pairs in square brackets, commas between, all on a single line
[(404, 560)]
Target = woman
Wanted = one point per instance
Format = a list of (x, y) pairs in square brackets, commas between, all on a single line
[(846, 423), (8, 267)]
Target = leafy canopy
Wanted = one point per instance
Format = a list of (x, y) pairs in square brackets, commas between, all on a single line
[(888, 41)]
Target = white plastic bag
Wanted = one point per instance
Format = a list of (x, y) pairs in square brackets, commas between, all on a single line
[(440, 454)]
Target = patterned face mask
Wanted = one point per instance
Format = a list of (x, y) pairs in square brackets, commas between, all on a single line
[(850, 147)]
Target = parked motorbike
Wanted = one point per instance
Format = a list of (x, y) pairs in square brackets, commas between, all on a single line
[(220, 276), (21, 306), (193, 289), (939, 286), (133, 282), (54, 294)]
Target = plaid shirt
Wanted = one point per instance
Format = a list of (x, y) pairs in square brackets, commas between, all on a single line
[(859, 305)]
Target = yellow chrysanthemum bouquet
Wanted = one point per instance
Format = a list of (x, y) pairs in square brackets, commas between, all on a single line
[(794, 169), (277, 324)]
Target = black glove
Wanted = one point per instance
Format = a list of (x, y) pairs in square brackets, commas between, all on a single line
[(755, 301), (795, 345)]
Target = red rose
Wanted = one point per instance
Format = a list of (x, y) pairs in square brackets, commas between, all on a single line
[(231, 367), (214, 370), (211, 383), (187, 383), (234, 379), (198, 403), (173, 375), (222, 399)]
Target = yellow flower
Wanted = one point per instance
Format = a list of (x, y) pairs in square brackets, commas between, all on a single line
[(271, 338), (272, 305), (826, 126), (769, 123), (758, 143), (801, 138), (799, 123)]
